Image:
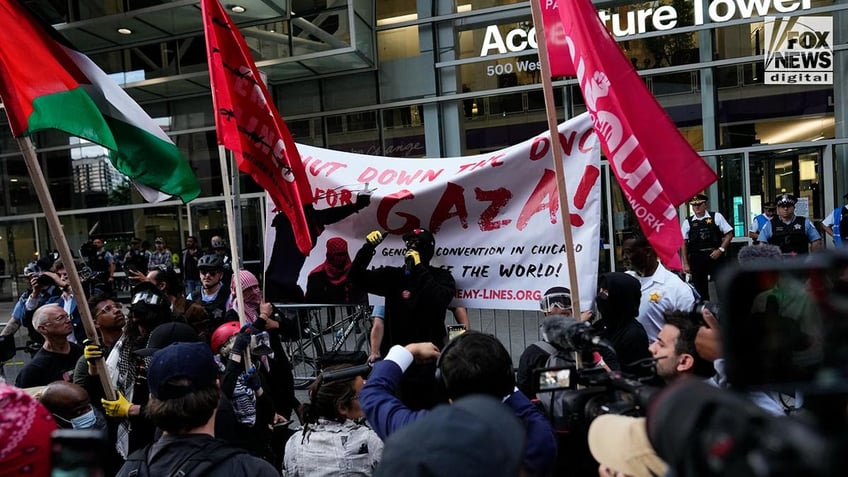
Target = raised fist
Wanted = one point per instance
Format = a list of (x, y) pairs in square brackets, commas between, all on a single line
[(374, 238)]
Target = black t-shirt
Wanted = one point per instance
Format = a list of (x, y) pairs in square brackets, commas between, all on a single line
[(47, 366)]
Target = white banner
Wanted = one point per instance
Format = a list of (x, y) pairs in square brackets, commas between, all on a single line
[(495, 216)]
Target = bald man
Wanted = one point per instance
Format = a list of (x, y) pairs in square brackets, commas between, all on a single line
[(57, 357), (69, 404)]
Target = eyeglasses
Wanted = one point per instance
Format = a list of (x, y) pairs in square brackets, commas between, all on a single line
[(208, 272), (60, 318), (106, 309)]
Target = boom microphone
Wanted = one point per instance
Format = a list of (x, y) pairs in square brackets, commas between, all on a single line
[(582, 335), (555, 328), (568, 332), (347, 373)]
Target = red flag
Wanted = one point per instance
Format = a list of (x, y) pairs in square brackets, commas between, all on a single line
[(249, 125), (558, 55), (655, 166)]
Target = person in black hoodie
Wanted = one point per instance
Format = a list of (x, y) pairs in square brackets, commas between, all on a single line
[(618, 300)]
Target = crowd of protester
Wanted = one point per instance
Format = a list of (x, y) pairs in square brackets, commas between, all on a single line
[(202, 385)]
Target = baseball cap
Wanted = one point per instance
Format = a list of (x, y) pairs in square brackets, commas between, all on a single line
[(422, 236), (191, 361), (475, 436), (166, 334), (698, 199), (621, 443), (786, 199)]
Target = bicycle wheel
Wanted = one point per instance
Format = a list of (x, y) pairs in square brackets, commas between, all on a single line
[(305, 359)]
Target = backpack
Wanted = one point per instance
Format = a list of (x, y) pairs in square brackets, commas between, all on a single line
[(197, 463), (552, 402)]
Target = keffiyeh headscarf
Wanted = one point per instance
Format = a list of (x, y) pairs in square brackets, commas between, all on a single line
[(337, 264), (25, 427), (252, 295)]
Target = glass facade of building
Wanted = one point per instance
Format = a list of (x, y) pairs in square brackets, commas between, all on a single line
[(417, 78)]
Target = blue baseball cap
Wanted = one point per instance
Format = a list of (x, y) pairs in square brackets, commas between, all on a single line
[(192, 362)]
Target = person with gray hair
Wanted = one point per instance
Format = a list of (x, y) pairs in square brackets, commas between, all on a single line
[(759, 253), (57, 357)]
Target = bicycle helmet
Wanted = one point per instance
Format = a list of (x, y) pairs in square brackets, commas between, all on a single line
[(223, 334), (210, 261), (218, 242), (421, 240)]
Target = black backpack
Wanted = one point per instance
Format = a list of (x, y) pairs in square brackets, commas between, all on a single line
[(551, 401), (197, 463)]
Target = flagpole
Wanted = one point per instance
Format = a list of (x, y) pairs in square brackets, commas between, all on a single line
[(556, 147), (55, 227), (231, 231)]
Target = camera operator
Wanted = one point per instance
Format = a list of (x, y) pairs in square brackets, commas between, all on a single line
[(471, 363), (708, 344), (46, 287), (556, 306)]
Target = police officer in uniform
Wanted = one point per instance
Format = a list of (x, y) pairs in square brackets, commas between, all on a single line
[(706, 236), (836, 224), (792, 233), (101, 263), (212, 295)]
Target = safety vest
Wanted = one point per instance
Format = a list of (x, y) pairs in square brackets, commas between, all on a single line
[(840, 225)]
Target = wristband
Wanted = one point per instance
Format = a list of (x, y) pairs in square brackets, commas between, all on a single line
[(721, 249)]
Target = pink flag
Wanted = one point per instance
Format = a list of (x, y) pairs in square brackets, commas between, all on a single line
[(249, 125), (558, 55), (655, 166)]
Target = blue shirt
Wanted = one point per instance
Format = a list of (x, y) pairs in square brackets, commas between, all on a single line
[(809, 229), (386, 413)]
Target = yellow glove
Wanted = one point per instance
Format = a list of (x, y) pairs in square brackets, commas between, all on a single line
[(374, 238), (92, 351), (118, 408), (413, 256)]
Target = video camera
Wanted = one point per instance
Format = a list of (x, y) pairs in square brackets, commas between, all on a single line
[(784, 329), (574, 394)]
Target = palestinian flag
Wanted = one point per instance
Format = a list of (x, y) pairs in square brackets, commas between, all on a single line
[(45, 84)]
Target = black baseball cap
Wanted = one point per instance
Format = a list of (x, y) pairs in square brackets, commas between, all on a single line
[(167, 334)]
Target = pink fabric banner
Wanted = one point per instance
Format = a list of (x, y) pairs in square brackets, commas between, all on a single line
[(558, 56), (248, 123), (654, 164)]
